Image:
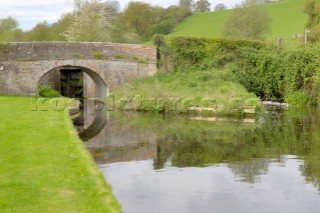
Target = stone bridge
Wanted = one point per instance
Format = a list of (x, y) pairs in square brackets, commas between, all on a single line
[(24, 65)]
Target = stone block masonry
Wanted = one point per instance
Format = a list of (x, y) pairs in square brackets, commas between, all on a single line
[(22, 65)]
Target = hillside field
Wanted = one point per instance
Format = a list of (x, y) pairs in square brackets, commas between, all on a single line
[(287, 19)]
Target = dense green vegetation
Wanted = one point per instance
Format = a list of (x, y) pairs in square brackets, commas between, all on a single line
[(248, 20), (287, 19), (267, 70), (9, 30), (312, 8), (44, 166), (97, 20), (47, 91), (180, 90), (226, 70)]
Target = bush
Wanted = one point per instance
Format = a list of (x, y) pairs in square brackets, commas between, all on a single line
[(297, 98), (267, 70), (205, 53), (314, 36), (47, 91), (177, 91)]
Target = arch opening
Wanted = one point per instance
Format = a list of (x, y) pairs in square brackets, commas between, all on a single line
[(75, 82), (83, 84)]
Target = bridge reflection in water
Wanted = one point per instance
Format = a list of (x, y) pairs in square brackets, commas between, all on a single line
[(94, 119), (106, 139), (162, 163)]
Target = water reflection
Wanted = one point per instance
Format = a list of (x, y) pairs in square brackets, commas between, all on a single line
[(91, 120), (250, 171), (139, 188), (159, 163), (95, 119)]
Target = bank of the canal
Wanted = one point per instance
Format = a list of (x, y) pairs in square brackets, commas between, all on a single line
[(44, 166)]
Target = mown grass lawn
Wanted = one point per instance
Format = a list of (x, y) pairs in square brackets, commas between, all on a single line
[(44, 166)]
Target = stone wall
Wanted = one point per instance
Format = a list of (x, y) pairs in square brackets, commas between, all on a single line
[(75, 50), (22, 65)]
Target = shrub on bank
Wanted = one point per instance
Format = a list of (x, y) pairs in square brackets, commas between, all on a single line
[(184, 92), (47, 91), (267, 70)]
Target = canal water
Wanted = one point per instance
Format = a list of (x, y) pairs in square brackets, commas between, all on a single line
[(163, 164)]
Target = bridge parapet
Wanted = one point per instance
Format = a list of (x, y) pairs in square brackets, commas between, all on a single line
[(76, 50)]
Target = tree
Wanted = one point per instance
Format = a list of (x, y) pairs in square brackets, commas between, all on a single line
[(314, 36), (61, 26), (248, 20), (50, 32), (140, 17), (91, 22), (202, 6), (186, 4), (312, 8), (220, 6), (9, 30), (169, 19), (41, 32), (114, 7), (8, 24), (139, 21)]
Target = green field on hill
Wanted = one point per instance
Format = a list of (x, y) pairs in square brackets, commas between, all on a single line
[(287, 19)]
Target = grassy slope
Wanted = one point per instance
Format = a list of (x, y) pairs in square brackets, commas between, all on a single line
[(287, 19), (195, 85), (44, 167)]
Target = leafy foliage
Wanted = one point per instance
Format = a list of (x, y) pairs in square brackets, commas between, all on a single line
[(312, 8), (92, 22), (180, 90), (205, 53), (164, 53), (139, 21), (202, 6), (47, 91), (220, 6), (41, 32), (49, 32), (186, 4), (9, 30), (266, 70), (140, 17), (8, 24), (248, 20)]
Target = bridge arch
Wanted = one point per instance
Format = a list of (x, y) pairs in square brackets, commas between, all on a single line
[(22, 65), (99, 82)]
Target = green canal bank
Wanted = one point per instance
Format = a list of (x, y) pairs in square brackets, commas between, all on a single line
[(44, 166)]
